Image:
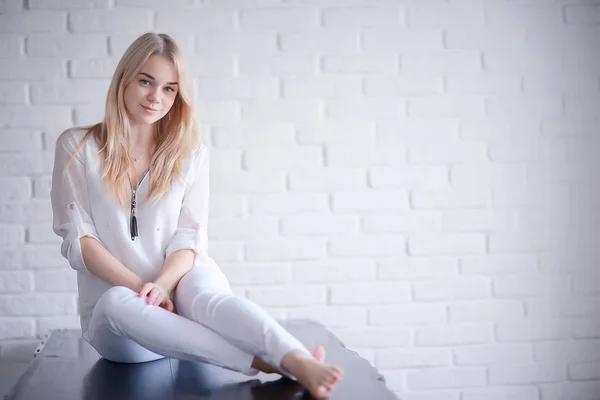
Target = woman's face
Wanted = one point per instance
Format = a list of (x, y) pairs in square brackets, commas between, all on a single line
[(151, 94)]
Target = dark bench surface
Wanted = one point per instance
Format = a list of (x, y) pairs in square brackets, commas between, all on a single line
[(66, 367)]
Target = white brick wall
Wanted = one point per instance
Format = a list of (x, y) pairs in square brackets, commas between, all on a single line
[(417, 176)]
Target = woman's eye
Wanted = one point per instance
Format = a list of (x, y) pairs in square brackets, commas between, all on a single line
[(144, 80), (172, 90)]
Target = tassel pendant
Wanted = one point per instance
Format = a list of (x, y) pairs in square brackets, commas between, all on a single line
[(134, 227)]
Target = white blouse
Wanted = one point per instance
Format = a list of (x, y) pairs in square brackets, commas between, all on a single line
[(83, 206)]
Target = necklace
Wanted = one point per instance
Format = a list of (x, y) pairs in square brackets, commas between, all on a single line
[(136, 159)]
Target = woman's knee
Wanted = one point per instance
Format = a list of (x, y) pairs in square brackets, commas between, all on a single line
[(112, 298)]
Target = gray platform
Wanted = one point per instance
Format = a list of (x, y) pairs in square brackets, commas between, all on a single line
[(66, 367)]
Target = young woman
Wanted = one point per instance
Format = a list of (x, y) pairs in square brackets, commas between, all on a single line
[(130, 200)]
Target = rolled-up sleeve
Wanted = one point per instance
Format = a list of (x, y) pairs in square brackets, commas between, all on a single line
[(192, 232), (70, 206)]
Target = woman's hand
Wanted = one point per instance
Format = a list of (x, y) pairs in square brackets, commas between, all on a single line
[(157, 296)]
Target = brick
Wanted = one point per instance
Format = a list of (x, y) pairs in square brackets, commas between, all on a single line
[(519, 106), (66, 4), (584, 371), (11, 235), (457, 289), (15, 282), (253, 134), (403, 222), (66, 46), (327, 179), (239, 42), (190, 19), (471, 38), (287, 110), (359, 64), (446, 106), (255, 88), (330, 271), (370, 337), (34, 22), (405, 85), (366, 109), (486, 311), (526, 374), (369, 293), (529, 331), (440, 61), (319, 224), (18, 140), (332, 317), (231, 228), (278, 250), (504, 16), (34, 305), (411, 131), (56, 280), (409, 314), (280, 19), (448, 198), (454, 335), (351, 18), (43, 257), (365, 246), (478, 220), (401, 40), (321, 87), (16, 328), (110, 21), (277, 65), (493, 355), (15, 188), (288, 203), (498, 264), (289, 296), (248, 182), (79, 91), (319, 41), (410, 268), (277, 159), (567, 351), (20, 164), (414, 358), (10, 46), (370, 200), (529, 285), (257, 273), (335, 132), (436, 15), (355, 156), (446, 244), (447, 153), (14, 93), (446, 378), (32, 69), (527, 128), (227, 251), (502, 393)]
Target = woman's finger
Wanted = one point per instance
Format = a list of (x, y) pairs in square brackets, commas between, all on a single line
[(154, 294), (145, 289)]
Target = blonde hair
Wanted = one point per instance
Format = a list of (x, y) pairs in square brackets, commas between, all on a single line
[(178, 135)]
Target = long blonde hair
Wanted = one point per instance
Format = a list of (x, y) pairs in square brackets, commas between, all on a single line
[(177, 135)]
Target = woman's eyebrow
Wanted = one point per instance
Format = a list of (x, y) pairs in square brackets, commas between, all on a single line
[(151, 77)]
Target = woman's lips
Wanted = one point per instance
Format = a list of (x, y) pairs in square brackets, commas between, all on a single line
[(150, 110)]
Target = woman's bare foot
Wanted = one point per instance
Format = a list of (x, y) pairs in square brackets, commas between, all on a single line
[(311, 373), (261, 365)]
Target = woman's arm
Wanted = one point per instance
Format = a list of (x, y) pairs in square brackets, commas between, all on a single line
[(100, 262), (176, 266), (72, 220), (191, 238)]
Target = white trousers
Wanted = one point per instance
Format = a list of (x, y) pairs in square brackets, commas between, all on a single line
[(212, 325)]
